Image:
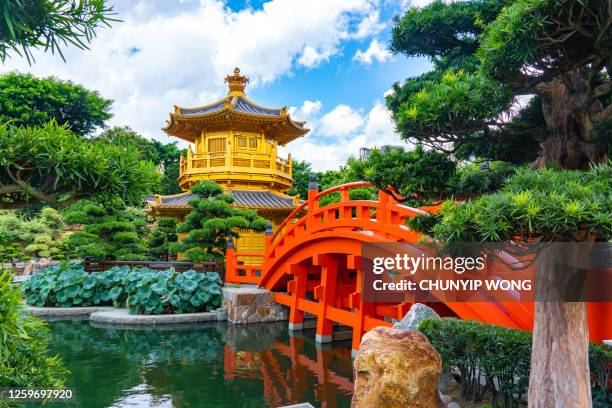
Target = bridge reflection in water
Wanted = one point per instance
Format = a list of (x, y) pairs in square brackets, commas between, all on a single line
[(290, 370), (210, 365)]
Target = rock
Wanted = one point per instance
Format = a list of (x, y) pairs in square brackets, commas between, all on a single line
[(395, 369), (453, 405), (445, 399), (417, 312)]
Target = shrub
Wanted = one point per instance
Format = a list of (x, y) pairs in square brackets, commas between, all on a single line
[(24, 361), (499, 355), (141, 290), (22, 238), (112, 231)]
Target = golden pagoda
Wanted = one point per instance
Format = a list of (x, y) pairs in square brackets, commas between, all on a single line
[(234, 142)]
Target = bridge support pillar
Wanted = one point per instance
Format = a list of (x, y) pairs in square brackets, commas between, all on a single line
[(298, 289), (326, 292)]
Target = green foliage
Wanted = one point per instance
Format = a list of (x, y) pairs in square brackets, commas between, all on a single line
[(500, 356), (486, 54), (68, 286), (161, 237), (141, 290), (301, 172), (24, 360), (112, 231), (211, 222), (165, 156), (471, 179), (53, 165), (406, 174), (49, 24), (546, 203), (40, 236), (29, 101), (171, 292)]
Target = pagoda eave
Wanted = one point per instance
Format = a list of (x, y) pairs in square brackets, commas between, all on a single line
[(187, 127)]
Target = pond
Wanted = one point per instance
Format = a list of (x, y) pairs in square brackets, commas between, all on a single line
[(210, 365)]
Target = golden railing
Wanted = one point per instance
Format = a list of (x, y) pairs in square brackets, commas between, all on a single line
[(226, 161)]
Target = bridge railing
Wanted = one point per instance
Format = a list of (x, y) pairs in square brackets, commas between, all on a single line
[(236, 271), (311, 216)]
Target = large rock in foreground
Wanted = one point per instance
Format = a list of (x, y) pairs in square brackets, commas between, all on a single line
[(396, 369)]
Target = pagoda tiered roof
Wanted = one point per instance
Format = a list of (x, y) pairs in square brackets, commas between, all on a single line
[(234, 111)]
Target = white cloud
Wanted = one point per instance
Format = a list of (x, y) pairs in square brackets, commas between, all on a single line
[(375, 128), (376, 51), (153, 60), (369, 26), (341, 121)]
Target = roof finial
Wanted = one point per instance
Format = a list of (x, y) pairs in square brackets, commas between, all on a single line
[(236, 83)]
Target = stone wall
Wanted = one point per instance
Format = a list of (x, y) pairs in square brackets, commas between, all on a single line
[(249, 304)]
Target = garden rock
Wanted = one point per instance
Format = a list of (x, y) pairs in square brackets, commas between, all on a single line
[(417, 312), (396, 368)]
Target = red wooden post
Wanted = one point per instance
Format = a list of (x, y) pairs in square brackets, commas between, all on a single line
[(298, 287), (329, 277), (313, 190), (230, 264)]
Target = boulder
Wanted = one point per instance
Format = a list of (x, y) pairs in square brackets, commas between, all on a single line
[(417, 312), (396, 369)]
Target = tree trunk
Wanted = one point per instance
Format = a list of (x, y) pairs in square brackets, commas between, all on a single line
[(569, 123), (559, 374)]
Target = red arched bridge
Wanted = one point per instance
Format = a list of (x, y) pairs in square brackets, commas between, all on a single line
[(313, 263)]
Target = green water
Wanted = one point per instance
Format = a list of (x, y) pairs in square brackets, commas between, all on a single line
[(212, 365)]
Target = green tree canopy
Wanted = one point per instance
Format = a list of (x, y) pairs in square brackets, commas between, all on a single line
[(300, 171), (53, 165), (211, 222), (26, 100), (165, 156), (49, 24), (488, 53)]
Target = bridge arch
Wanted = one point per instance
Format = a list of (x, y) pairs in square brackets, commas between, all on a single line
[(312, 263)]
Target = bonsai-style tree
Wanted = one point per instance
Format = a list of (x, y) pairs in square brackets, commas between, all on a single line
[(111, 231), (211, 222), (49, 24), (406, 174), (545, 206), (52, 165), (422, 177), (161, 238), (26, 100), (488, 53)]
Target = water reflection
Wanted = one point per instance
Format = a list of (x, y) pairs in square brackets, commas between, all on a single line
[(209, 365)]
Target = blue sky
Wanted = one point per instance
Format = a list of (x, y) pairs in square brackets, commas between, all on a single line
[(326, 60)]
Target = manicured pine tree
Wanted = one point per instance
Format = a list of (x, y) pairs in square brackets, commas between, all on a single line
[(161, 238), (211, 222), (111, 231), (486, 54)]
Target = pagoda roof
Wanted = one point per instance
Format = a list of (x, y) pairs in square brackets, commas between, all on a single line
[(255, 199), (235, 111)]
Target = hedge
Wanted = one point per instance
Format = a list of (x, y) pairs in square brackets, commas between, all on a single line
[(495, 360), (142, 290)]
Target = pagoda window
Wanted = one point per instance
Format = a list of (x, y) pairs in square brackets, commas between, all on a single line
[(241, 141), (216, 146), (253, 143)]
